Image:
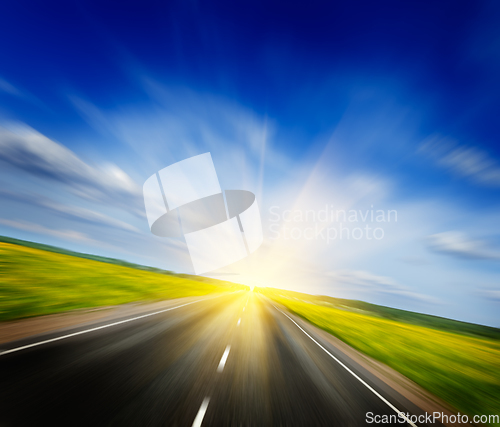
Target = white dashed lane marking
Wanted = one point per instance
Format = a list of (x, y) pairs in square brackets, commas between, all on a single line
[(201, 412), (223, 359)]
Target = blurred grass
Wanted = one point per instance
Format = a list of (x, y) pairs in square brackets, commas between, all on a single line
[(35, 282), (462, 370), (434, 322)]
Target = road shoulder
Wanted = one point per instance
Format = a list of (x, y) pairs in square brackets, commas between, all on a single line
[(411, 391), (62, 322)]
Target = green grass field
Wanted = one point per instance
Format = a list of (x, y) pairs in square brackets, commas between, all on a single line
[(433, 322), (35, 281), (461, 369)]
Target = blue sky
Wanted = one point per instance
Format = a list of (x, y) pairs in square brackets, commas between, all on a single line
[(351, 105)]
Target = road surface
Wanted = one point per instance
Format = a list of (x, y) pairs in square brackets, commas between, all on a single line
[(230, 360)]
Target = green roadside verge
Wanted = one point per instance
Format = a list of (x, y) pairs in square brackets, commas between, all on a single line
[(463, 369), (37, 280)]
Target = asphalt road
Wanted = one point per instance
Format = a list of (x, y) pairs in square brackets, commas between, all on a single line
[(232, 360)]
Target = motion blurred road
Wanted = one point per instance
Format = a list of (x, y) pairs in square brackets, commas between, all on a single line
[(229, 360)]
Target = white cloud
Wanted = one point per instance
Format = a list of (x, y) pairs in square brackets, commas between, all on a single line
[(457, 244), (463, 160), (5, 86), (72, 212), (12, 90), (181, 123), (91, 114), (40, 229), (32, 152), (363, 281), (491, 294)]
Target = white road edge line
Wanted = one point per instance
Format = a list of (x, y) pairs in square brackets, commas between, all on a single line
[(239, 320), (201, 412), (24, 347), (223, 359), (400, 413)]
